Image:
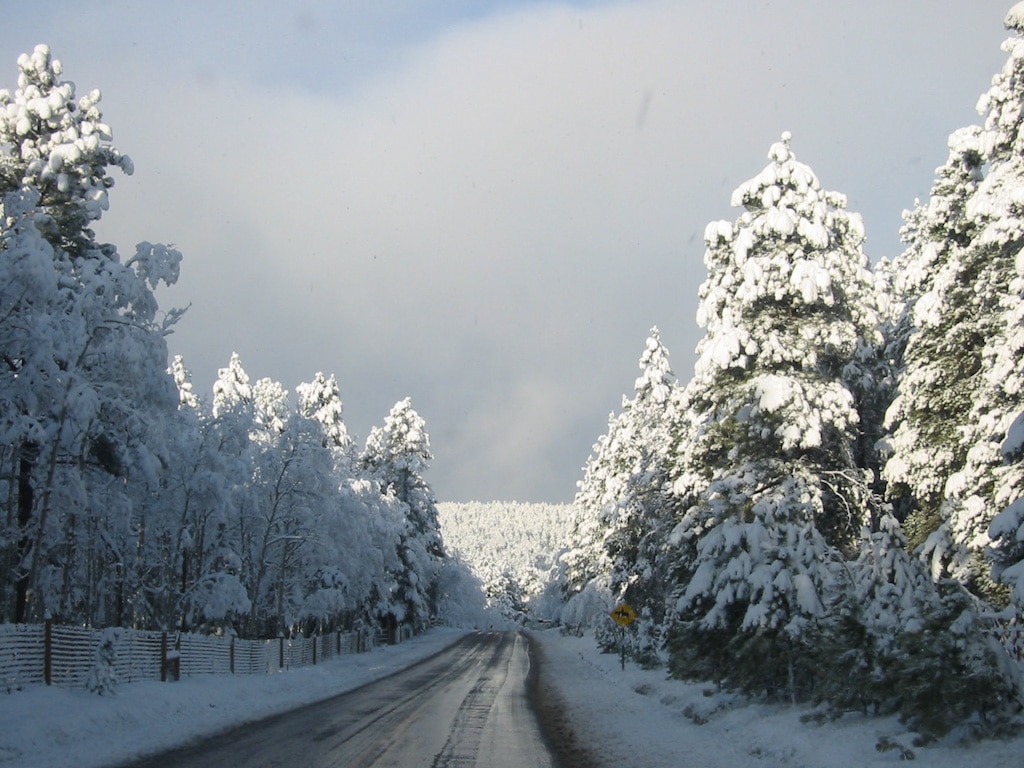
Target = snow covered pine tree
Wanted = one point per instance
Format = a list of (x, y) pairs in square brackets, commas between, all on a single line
[(1006, 371), (961, 382), (773, 497), (616, 541), (397, 455)]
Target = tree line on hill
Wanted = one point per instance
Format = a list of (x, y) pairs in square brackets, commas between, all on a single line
[(513, 549)]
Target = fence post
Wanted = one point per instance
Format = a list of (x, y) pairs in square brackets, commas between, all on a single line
[(280, 650), (48, 649), (231, 655), (314, 650), (163, 657)]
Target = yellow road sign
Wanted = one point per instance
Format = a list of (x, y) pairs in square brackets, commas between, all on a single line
[(623, 614)]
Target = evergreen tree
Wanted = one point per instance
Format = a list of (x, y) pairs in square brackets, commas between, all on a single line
[(637, 523), (397, 456), (1006, 536), (893, 597), (634, 540), (320, 400), (771, 494), (908, 646), (960, 383), (616, 541), (585, 569), (60, 147)]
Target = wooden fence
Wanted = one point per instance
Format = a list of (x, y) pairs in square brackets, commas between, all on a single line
[(50, 654)]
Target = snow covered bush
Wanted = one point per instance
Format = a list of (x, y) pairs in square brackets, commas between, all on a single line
[(952, 675), (102, 678), (909, 646), (588, 610)]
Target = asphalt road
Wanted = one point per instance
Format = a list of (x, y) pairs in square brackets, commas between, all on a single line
[(469, 705)]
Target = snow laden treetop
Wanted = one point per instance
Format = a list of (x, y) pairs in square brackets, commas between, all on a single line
[(60, 146), (788, 247), (793, 252), (1015, 18)]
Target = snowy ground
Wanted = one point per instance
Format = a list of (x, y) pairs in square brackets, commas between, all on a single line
[(638, 718), (632, 717)]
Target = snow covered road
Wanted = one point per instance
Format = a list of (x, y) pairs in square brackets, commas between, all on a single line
[(464, 706)]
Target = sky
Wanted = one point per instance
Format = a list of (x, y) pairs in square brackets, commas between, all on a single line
[(486, 206)]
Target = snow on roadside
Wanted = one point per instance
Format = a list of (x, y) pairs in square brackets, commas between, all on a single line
[(636, 717), (49, 727)]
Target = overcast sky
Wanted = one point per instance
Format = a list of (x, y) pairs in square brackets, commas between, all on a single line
[(487, 205)]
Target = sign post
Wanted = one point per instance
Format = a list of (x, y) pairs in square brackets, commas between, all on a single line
[(623, 615)]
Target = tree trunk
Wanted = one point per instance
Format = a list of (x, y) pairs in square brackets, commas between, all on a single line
[(26, 501)]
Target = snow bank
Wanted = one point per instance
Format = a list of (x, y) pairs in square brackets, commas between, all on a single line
[(639, 718)]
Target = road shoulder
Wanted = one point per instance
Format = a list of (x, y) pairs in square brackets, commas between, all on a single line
[(562, 736)]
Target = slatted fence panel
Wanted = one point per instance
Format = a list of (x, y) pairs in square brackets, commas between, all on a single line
[(137, 656), (21, 655), (205, 655), (73, 654), (350, 642), (298, 652), (329, 646), (253, 657)]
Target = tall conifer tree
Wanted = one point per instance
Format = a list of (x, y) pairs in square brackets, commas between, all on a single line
[(619, 507), (775, 497), (959, 343)]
